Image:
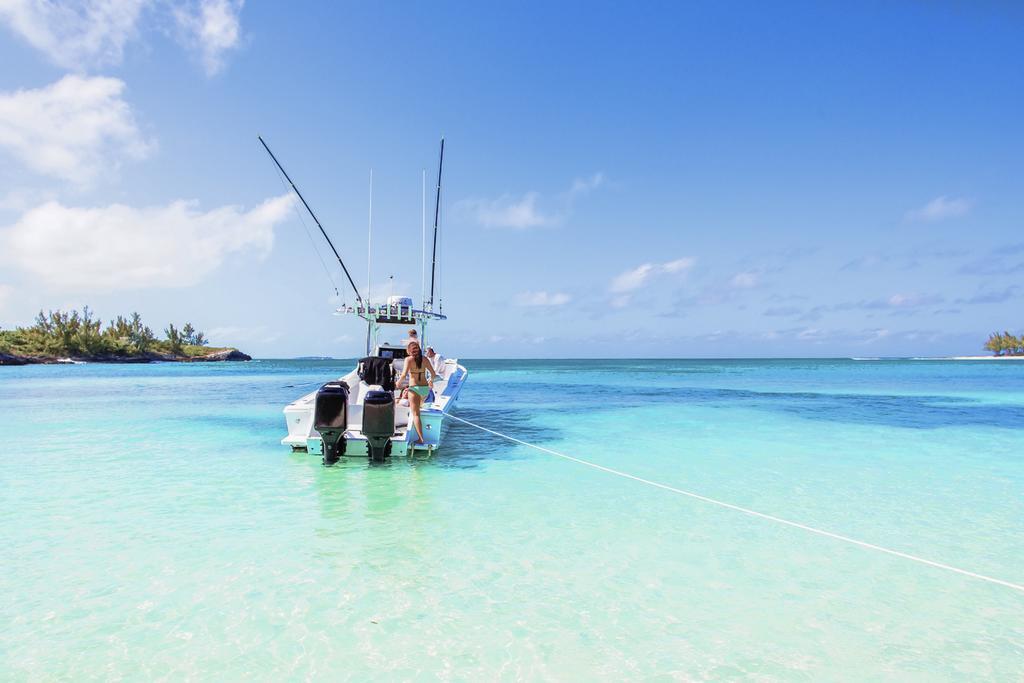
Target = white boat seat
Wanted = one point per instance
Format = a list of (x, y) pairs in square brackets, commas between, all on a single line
[(401, 416), (355, 407), (355, 417), (355, 403), (365, 388)]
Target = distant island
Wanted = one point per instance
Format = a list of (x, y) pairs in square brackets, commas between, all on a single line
[(61, 337), (1005, 344)]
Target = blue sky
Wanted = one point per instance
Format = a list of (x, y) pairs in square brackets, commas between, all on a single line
[(804, 179)]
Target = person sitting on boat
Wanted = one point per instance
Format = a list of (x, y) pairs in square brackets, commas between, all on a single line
[(412, 337), (416, 367), (436, 360)]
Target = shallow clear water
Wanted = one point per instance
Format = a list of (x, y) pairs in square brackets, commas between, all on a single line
[(151, 526)]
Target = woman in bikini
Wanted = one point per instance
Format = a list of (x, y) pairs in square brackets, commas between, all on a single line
[(417, 367)]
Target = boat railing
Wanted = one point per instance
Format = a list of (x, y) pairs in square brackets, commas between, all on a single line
[(389, 314)]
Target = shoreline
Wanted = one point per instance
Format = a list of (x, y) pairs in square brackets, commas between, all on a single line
[(984, 358), (222, 355)]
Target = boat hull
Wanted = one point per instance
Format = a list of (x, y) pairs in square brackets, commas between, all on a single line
[(302, 436)]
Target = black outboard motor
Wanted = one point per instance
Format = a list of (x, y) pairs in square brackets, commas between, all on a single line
[(378, 423), (331, 419)]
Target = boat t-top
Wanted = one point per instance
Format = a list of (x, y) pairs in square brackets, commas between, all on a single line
[(362, 413)]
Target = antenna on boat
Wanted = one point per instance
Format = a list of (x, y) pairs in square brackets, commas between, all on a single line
[(440, 269), (315, 219), (423, 241), (369, 241), (369, 252), (437, 211)]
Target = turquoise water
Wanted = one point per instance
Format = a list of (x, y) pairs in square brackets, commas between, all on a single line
[(152, 527)]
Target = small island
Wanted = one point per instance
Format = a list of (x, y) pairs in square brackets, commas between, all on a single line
[(80, 337), (1004, 344)]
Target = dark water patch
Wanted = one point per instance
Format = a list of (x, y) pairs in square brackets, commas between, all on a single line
[(468, 447), (891, 410), (909, 412)]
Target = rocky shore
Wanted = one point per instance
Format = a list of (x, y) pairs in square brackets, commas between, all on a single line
[(218, 355)]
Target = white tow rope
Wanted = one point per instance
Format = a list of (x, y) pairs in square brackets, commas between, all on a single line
[(752, 513)]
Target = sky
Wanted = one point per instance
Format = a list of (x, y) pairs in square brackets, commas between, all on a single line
[(660, 180)]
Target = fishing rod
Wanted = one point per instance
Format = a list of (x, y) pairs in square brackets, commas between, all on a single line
[(315, 219), (437, 211)]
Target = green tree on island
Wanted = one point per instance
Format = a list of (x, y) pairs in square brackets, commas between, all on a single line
[(1005, 344), (173, 338), (60, 334), (189, 335)]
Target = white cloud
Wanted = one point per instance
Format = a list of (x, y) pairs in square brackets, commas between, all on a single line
[(745, 280), (75, 35), (5, 294), (812, 334), (679, 265), (21, 199), (582, 186), (632, 279), (542, 299), (93, 33), (907, 301), (212, 27), (875, 335), (525, 212), (939, 209), (637, 277), (507, 212), (73, 129), (121, 247)]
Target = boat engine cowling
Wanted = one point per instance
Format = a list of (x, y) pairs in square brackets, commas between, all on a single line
[(330, 418), (378, 423)]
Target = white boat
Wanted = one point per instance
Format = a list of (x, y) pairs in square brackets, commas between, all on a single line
[(361, 413), (345, 422)]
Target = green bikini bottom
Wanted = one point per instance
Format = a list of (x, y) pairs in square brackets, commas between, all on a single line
[(423, 391)]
